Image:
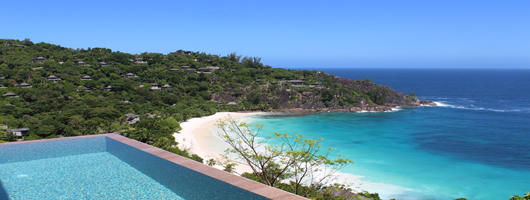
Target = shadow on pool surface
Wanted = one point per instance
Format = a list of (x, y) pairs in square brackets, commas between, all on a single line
[(3, 193)]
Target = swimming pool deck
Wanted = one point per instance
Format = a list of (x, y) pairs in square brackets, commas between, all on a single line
[(238, 181)]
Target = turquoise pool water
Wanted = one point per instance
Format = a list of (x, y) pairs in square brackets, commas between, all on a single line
[(101, 168), (86, 176)]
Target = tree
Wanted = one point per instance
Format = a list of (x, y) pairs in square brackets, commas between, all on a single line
[(282, 157), (525, 197), (90, 127), (6, 136), (45, 130)]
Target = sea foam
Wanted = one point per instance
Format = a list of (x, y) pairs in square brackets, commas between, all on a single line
[(472, 107)]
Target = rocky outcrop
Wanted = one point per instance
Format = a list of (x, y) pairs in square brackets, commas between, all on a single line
[(427, 103), (361, 95)]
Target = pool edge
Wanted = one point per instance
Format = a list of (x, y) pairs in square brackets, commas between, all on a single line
[(229, 178)]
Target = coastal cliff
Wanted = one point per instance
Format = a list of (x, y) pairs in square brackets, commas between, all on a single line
[(337, 95)]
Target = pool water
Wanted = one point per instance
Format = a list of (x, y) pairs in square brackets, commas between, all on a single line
[(102, 168), (86, 176)]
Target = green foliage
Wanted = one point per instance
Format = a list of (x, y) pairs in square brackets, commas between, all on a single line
[(211, 162), (378, 95), (525, 197), (327, 96), (373, 196), (196, 158), (6, 136), (230, 167), (185, 153), (250, 176)]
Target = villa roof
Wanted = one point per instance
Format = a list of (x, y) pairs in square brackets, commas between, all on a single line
[(129, 74), (87, 76), (131, 115), (166, 86), (52, 76), (24, 84), (18, 129), (9, 94)]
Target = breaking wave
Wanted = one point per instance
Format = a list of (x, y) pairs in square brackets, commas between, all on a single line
[(472, 107)]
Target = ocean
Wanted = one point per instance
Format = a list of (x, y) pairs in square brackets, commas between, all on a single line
[(474, 145)]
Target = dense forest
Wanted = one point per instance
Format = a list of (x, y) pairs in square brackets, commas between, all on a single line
[(56, 91)]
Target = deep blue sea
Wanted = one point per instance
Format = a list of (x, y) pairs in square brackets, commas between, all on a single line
[(474, 145)]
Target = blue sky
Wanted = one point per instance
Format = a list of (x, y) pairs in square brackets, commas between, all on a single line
[(290, 34)]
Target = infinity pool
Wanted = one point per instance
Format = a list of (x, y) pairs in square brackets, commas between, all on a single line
[(103, 168)]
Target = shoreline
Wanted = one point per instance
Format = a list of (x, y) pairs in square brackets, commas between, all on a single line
[(383, 108), (198, 137)]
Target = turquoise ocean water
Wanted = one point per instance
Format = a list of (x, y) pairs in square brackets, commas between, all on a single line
[(475, 145)]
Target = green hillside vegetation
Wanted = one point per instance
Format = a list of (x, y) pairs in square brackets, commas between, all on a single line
[(73, 106)]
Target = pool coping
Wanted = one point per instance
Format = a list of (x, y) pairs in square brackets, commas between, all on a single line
[(232, 179)]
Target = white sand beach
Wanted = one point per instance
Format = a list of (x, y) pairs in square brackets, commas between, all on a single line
[(197, 136)]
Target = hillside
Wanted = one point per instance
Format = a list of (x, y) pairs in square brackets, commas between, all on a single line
[(66, 92)]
